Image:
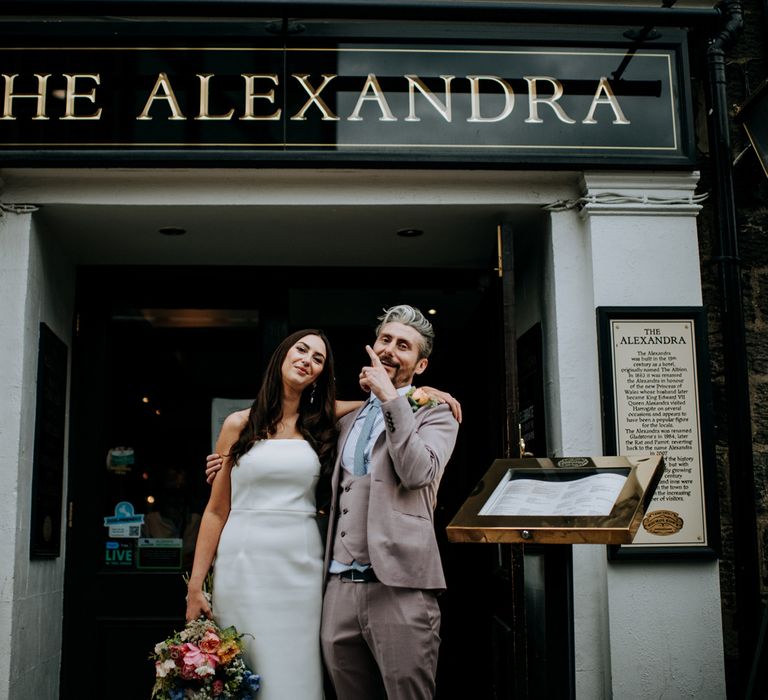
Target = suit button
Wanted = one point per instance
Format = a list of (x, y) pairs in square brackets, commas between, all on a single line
[(346, 488), (345, 511), (342, 534)]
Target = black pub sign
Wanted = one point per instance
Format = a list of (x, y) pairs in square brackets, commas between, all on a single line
[(510, 104)]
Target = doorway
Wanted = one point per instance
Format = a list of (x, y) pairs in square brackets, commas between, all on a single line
[(154, 348)]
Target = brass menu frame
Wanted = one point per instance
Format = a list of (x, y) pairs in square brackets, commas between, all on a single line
[(618, 527)]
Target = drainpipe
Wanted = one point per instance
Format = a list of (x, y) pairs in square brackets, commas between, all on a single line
[(741, 470)]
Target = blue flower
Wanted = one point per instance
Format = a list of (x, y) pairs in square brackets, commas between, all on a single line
[(177, 694), (253, 680)]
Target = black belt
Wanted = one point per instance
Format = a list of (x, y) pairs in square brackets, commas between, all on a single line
[(366, 576)]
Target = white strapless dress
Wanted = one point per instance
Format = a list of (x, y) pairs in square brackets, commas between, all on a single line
[(268, 573)]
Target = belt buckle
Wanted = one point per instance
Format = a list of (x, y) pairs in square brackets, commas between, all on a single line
[(357, 576)]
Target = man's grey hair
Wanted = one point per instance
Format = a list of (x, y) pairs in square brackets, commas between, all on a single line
[(410, 316)]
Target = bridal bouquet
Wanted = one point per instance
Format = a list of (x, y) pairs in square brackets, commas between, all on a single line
[(202, 662)]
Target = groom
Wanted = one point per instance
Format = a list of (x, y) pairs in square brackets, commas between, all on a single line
[(381, 621)]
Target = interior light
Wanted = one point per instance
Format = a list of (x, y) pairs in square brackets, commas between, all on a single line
[(410, 232), (172, 231), (145, 399), (157, 411), (431, 312), (150, 499)]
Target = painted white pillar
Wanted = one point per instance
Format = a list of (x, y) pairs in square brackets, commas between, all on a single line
[(14, 270), (664, 621), (36, 284)]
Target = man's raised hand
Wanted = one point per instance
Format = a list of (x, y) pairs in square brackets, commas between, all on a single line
[(374, 378)]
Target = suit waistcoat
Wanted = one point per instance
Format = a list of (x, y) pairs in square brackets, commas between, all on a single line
[(351, 541)]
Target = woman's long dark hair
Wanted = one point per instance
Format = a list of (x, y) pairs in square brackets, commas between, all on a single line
[(317, 414)]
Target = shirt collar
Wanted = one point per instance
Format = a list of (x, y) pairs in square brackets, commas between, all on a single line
[(402, 391)]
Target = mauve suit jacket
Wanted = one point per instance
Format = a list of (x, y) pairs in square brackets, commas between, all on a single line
[(407, 463)]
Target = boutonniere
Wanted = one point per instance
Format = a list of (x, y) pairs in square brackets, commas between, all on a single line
[(418, 398)]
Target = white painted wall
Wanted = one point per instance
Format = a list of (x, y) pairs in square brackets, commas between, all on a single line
[(655, 626), (36, 284)]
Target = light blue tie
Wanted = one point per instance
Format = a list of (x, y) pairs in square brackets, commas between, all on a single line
[(365, 436)]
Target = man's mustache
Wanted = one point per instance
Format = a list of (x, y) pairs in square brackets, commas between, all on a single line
[(389, 362)]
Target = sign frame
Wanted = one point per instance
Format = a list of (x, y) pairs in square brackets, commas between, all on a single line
[(643, 473), (290, 151), (696, 316)]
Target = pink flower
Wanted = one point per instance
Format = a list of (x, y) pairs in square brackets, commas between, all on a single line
[(218, 687), (192, 655), (210, 643), (176, 651)]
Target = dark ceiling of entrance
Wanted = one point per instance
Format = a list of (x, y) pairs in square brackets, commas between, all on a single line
[(453, 236)]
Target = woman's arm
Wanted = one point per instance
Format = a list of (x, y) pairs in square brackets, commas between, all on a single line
[(344, 407), (212, 523)]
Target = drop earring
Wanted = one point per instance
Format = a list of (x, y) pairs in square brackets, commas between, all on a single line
[(312, 394)]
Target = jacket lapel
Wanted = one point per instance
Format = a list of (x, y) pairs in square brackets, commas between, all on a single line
[(346, 428), (378, 443)]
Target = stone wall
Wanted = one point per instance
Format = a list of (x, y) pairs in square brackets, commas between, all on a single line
[(746, 69)]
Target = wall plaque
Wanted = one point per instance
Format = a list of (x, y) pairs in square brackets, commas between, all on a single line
[(655, 399)]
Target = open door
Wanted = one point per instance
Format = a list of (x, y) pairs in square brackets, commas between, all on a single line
[(530, 587), (152, 348), (510, 634)]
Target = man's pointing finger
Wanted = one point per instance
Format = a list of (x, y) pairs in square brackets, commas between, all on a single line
[(375, 361)]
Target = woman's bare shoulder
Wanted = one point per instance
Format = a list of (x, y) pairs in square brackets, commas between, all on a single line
[(236, 421), (230, 430)]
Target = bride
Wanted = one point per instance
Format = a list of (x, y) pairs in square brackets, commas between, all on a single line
[(260, 519)]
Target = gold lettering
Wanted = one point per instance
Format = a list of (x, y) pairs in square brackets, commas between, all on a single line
[(474, 92), (250, 96), (372, 84), (164, 84), (314, 97), (443, 108), (72, 95), (205, 79), (609, 99), (534, 100), (10, 96)]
